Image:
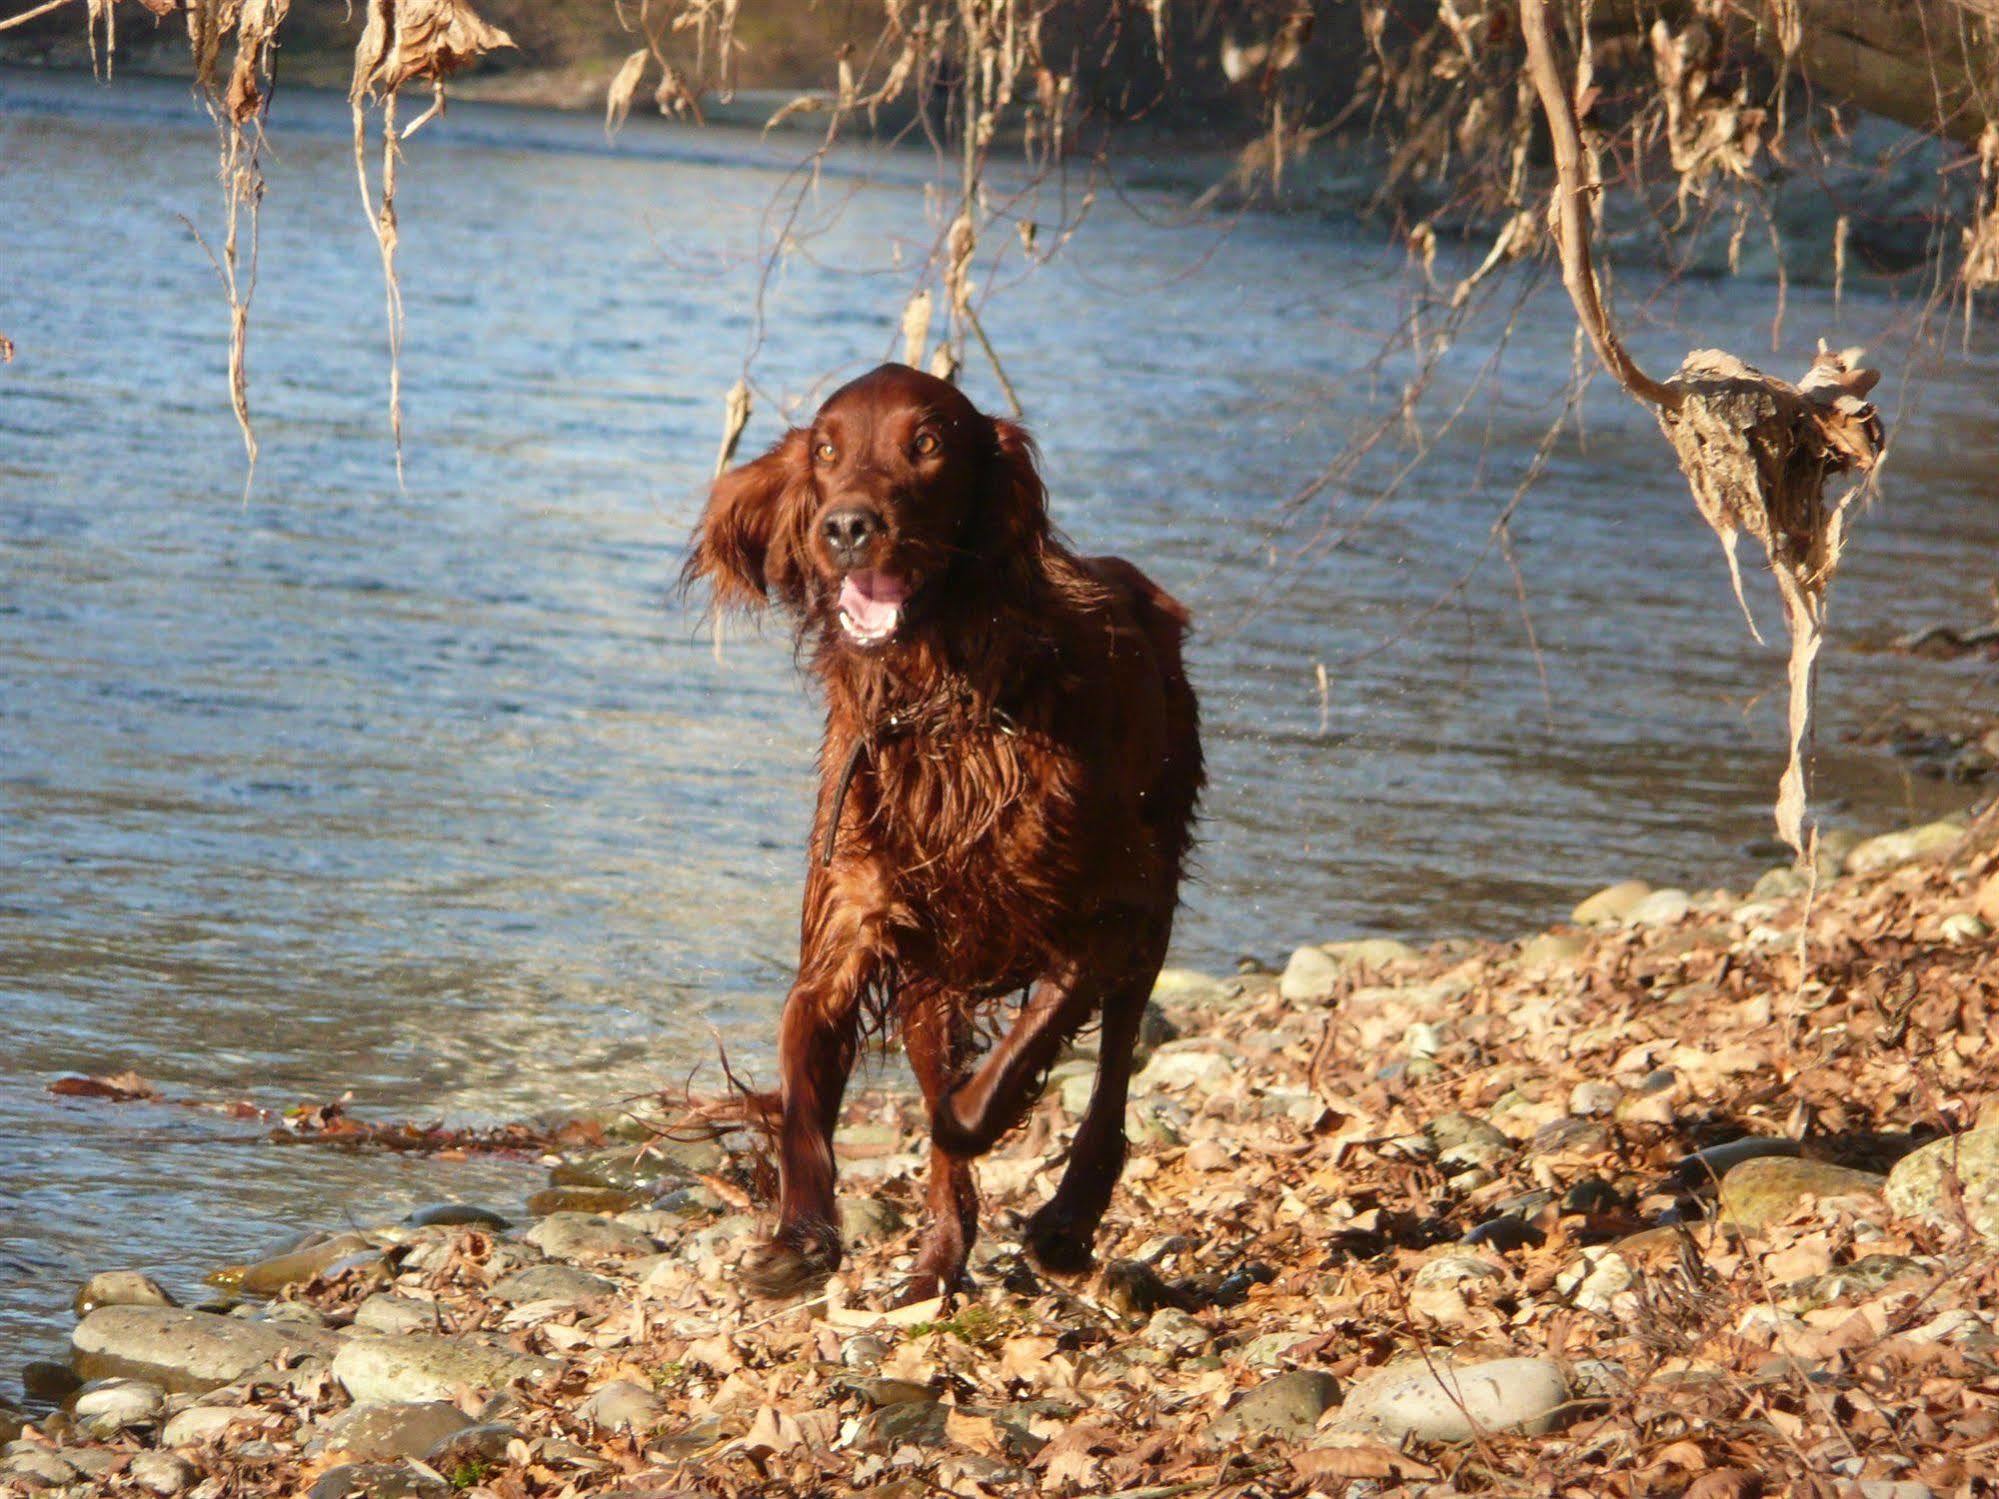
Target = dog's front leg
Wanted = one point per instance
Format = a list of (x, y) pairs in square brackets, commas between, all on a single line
[(842, 958)]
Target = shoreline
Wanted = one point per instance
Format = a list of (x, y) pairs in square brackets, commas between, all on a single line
[(1504, 1157)]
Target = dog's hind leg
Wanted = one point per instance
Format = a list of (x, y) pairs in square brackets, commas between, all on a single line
[(1061, 1236), (934, 1035)]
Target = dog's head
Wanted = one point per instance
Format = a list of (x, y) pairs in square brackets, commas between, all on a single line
[(898, 490)]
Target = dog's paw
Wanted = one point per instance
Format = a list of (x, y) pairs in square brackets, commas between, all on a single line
[(778, 1270), (1059, 1244)]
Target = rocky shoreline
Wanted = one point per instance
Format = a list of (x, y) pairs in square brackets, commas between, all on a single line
[(1635, 1205)]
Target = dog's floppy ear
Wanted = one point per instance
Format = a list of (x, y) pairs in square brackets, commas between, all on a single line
[(750, 544), (1015, 518)]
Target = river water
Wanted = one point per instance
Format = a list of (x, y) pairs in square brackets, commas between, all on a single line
[(436, 796)]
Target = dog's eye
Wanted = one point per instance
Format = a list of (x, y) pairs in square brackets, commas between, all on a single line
[(926, 444), (825, 452)]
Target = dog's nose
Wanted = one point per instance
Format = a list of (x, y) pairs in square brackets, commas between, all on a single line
[(849, 531)]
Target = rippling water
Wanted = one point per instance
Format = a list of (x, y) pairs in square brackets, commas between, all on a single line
[(436, 796)]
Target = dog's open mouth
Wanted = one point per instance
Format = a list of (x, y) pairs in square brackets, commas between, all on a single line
[(871, 601)]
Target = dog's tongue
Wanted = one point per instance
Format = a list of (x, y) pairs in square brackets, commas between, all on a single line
[(873, 599)]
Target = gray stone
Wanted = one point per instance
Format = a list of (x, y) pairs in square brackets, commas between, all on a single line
[(908, 1423), (1873, 855), (120, 1288), (623, 1406), (1761, 1192), (184, 1350), (863, 1351), (1610, 905), (428, 1368), (387, 1312), (1435, 1401), (1311, 974), (106, 1408), (1594, 1099), (377, 1481), (658, 1166), (585, 1236), (160, 1472), (484, 1443), (868, 1220), (1287, 1406), (1370, 952), (49, 1468), (372, 1430), (1176, 1332), (1462, 1140), (1919, 1184), (456, 1215), (1706, 1168), (1552, 950), (1660, 908), (563, 1283), (202, 1423), (1183, 1066)]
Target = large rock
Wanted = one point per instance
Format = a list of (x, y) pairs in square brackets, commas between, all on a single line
[(1918, 1184), (108, 1407), (1288, 1406), (1437, 1401), (373, 1430), (1769, 1189), (428, 1368), (186, 1351)]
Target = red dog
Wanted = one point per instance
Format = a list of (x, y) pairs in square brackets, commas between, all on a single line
[(1006, 796)]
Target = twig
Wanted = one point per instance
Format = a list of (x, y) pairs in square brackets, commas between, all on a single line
[(1571, 213)]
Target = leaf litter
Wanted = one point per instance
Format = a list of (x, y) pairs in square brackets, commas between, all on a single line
[(1530, 1151)]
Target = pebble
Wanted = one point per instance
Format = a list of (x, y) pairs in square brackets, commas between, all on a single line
[(585, 1236), (1918, 1185), (623, 1406), (160, 1472), (1659, 908), (1176, 1332), (654, 1169), (1961, 927), (909, 1423), (377, 1481), (1595, 1281), (106, 1408), (456, 1215), (1462, 1140), (388, 1313), (863, 1351), (1504, 1233), (869, 1220), (1610, 905), (1761, 1192), (1288, 1405), (201, 1423), (1310, 974), (185, 1350), (1210, 1155), (1370, 952), (45, 1379), (39, 1463), (373, 1430), (1551, 950), (1594, 1099), (486, 1442), (120, 1288), (1182, 1067), (1435, 1401), (420, 1367)]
